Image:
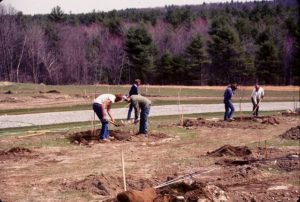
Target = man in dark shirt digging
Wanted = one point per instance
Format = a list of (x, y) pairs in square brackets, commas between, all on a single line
[(141, 106)]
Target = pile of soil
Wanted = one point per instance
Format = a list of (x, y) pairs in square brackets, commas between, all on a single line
[(292, 134), (291, 113), (87, 137), (229, 150), (8, 92), (221, 124), (197, 191), (107, 186), (266, 158), (16, 153), (50, 92), (120, 135), (270, 120)]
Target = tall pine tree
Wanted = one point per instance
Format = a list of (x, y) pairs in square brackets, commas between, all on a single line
[(197, 58), (225, 53), (140, 51)]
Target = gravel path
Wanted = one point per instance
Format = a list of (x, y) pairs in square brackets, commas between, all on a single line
[(12, 121)]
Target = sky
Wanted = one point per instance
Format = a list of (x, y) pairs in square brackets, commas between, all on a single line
[(85, 6)]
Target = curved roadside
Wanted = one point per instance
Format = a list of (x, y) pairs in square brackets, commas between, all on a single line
[(14, 121)]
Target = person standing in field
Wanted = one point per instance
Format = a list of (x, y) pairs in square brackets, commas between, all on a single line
[(102, 107), (141, 106), (229, 108), (256, 96), (133, 91)]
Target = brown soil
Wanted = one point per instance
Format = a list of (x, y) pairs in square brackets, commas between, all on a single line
[(17, 153), (243, 123), (51, 92), (107, 185), (88, 137), (64, 172), (270, 120), (292, 134), (228, 150), (267, 158), (8, 92)]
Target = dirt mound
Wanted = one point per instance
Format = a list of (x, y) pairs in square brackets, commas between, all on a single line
[(8, 92), (120, 135), (228, 150), (246, 123), (270, 120), (146, 195), (107, 186), (292, 134), (287, 163), (17, 153), (19, 150), (291, 113), (53, 91), (87, 137), (197, 191)]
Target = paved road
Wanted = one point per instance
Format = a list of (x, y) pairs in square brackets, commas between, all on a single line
[(11, 121)]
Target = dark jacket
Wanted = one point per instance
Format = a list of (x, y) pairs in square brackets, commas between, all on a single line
[(133, 90), (228, 94)]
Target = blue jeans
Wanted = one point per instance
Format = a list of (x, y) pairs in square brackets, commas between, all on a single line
[(143, 122), (229, 109), (104, 130), (129, 111)]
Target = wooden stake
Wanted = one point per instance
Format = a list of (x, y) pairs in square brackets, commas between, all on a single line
[(123, 170)]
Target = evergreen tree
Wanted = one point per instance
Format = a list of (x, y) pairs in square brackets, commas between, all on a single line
[(57, 14), (140, 51), (225, 53), (196, 57), (267, 63), (165, 70)]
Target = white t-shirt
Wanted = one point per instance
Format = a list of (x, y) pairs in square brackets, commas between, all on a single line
[(257, 95), (104, 97)]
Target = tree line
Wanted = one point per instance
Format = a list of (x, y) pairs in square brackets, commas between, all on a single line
[(208, 44)]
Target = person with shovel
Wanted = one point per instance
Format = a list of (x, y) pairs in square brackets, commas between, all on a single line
[(256, 97), (102, 107), (229, 108), (141, 106)]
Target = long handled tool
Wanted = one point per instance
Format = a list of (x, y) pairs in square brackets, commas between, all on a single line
[(181, 178)]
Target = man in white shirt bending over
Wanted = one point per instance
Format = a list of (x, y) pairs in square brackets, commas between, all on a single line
[(257, 95), (101, 105)]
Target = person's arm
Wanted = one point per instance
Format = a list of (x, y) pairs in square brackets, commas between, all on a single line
[(136, 111), (108, 111), (262, 93)]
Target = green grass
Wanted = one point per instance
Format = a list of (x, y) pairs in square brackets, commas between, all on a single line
[(32, 89), (154, 122), (211, 96)]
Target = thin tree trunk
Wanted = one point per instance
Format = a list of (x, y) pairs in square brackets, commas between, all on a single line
[(18, 67)]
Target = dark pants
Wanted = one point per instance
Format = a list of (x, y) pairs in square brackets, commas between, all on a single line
[(104, 130), (255, 107), (144, 120), (229, 109), (129, 111)]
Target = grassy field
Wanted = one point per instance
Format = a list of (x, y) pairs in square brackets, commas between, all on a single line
[(288, 92), (72, 127), (79, 97)]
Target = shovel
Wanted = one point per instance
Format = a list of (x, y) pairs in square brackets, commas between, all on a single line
[(115, 124)]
